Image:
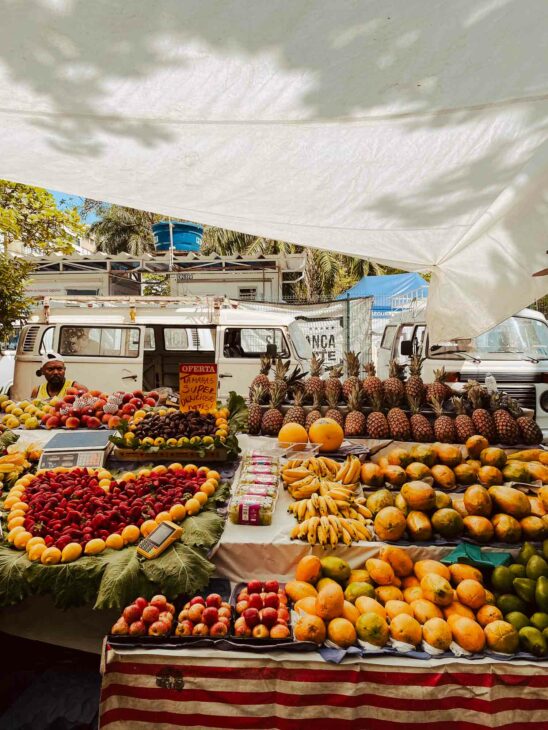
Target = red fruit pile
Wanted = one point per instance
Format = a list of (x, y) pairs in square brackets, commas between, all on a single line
[(65, 507), (92, 409), (208, 616), (262, 611), (142, 618)]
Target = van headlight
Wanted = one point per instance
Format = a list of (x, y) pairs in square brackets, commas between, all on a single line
[(544, 401)]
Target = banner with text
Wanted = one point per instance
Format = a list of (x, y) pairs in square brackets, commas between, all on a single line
[(197, 386)]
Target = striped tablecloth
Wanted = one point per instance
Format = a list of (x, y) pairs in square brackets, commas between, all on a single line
[(201, 689)]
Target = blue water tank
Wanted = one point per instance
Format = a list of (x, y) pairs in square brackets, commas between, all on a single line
[(186, 236)]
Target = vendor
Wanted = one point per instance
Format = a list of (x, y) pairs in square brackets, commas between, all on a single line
[(56, 385)]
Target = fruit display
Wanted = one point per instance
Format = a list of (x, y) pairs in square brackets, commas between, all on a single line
[(303, 477), (209, 616), (16, 461), (146, 618), (61, 514), (255, 491), (262, 611), (400, 408)]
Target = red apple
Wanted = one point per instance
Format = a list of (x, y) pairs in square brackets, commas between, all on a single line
[(151, 614), (225, 604), (226, 612), (214, 599), (128, 409), (166, 617), (93, 422), (283, 614), (243, 595), (224, 620), (171, 608), (261, 632), (138, 394), (241, 606), (269, 617), (127, 397), (141, 602), (159, 601), (137, 402), (195, 612), (184, 628), (132, 613), (254, 586), (159, 628), (149, 402), (241, 628), (279, 632), (271, 600), (183, 615), (72, 423), (120, 628), (200, 630), (252, 617), (197, 599), (210, 615), (113, 421), (53, 422), (282, 598), (137, 628), (255, 601), (271, 586), (218, 629)]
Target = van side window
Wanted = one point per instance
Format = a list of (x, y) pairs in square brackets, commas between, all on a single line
[(150, 340), (252, 342), (99, 341), (388, 337), (47, 340)]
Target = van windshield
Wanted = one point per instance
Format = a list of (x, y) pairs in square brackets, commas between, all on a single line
[(301, 344), (517, 335)]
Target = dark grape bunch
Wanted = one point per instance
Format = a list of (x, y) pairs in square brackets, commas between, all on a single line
[(176, 425)]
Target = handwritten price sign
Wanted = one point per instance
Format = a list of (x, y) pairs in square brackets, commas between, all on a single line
[(197, 387)]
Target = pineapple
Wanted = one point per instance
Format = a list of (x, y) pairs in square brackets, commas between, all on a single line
[(255, 412), (464, 425), (444, 426), (483, 420), (315, 385), (529, 430), (333, 385), (507, 429), (376, 424), (280, 373), (398, 423), (296, 413), (333, 412), (355, 421), (295, 380), (273, 419), (414, 385), (393, 387), (372, 385), (421, 428), (352, 372), (315, 413), (262, 379), (439, 388)]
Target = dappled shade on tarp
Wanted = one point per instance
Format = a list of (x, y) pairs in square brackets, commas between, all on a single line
[(413, 133)]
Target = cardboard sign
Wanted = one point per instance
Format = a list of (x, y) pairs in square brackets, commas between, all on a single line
[(197, 387)]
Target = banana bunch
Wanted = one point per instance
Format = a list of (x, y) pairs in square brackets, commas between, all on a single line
[(321, 466), (349, 472), (330, 530), (12, 465), (324, 505), (318, 471)]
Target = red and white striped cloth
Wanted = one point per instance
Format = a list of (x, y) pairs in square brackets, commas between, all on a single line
[(201, 689)]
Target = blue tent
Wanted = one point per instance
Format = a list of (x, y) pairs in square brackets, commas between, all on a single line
[(384, 288)]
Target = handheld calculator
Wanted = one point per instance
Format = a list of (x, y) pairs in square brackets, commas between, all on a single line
[(159, 539)]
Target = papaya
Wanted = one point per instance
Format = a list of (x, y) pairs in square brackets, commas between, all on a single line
[(405, 628), (378, 500), (464, 474), (518, 619), (335, 568), (477, 501), (437, 589), (458, 504), (448, 455), (395, 475), (511, 501), (413, 593), (478, 528), (537, 507), (373, 629), (364, 604), (526, 455), (350, 612), (400, 457), (437, 633), (309, 569), (394, 607), (417, 471), (541, 594), (401, 504), (527, 551), (424, 610), (444, 478), (461, 571), (501, 637), (468, 634), (516, 471), (493, 456), (490, 476), (389, 524), (536, 566), (448, 523), (306, 605), (540, 620), (371, 475), (532, 641), (457, 609), (487, 614), (297, 589), (543, 496), (341, 632), (418, 526), (424, 454), (423, 567), (360, 575), (475, 445), (525, 589), (538, 472), (419, 495), (355, 590), (310, 628), (399, 559), (330, 602), (474, 464), (388, 593), (533, 528), (507, 528), (324, 582), (380, 571), (442, 500), (471, 593), (502, 579)]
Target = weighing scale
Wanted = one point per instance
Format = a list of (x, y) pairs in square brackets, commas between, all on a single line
[(77, 449)]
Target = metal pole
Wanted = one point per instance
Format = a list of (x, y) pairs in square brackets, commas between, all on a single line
[(347, 323), (171, 253)]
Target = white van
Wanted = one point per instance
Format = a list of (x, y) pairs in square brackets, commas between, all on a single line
[(114, 344), (515, 352)]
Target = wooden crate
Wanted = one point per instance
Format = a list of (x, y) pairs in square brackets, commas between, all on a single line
[(174, 455)]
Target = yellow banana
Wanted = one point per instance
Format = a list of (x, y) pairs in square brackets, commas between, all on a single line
[(294, 534), (303, 529), (331, 504), (331, 464), (310, 511), (346, 536), (301, 509), (312, 530), (333, 536), (322, 534), (347, 525), (340, 475), (364, 511), (322, 506)]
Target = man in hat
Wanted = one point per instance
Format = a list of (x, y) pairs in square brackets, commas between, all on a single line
[(56, 385)]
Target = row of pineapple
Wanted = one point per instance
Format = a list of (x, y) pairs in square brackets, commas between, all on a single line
[(374, 408)]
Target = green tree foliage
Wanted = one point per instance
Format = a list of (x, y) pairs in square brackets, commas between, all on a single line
[(14, 304), (122, 230), (31, 215)]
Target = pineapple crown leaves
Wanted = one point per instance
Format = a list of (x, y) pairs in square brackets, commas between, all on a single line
[(376, 401), (332, 399), (352, 364), (458, 405), (298, 396), (277, 393), (316, 401), (294, 379), (281, 368), (440, 375), (335, 372), (256, 393), (414, 404), (396, 370), (514, 407), (369, 370), (355, 399), (437, 406), (415, 365), (266, 364), (316, 365)]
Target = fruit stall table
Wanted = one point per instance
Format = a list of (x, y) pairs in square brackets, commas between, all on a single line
[(216, 689)]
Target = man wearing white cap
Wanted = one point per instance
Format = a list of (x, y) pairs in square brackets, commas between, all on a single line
[(56, 385)]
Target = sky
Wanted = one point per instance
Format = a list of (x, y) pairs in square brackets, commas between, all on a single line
[(64, 200)]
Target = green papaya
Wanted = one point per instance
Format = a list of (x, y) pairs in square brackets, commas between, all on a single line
[(540, 620), (532, 641), (536, 566), (508, 602), (526, 552), (525, 589), (502, 579), (517, 619), (541, 594), (517, 570)]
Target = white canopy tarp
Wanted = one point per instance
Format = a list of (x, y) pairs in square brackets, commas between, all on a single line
[(410, 132)]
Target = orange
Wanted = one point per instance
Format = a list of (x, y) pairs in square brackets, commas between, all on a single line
[(293, 433), (147, 527), (208, 488), (201, 497), (130, 534), (114, 541), (327, 433), (212, 474), (162, 516), (177, 513)]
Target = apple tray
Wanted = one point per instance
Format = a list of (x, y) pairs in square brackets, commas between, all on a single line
[(179, 455), (228, 643), (265, 644)]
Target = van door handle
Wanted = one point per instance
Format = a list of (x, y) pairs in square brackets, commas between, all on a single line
[(225, 375), (129, 377)]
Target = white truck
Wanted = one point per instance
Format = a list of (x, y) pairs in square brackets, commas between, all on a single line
[(515, 352), (128, 343)]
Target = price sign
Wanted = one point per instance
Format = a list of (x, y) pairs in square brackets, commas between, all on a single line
[(197, 387)]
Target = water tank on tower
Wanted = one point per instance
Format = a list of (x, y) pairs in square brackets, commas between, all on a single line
[(186, 236)]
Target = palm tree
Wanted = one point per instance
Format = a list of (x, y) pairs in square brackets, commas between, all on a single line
[(124, 230)]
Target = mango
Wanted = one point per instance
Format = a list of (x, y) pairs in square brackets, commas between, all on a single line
[(336, 569), (536, 566), (540, 620), (532, 641), (508, 603), (355, 590), (518, 620), (502, 579), (541, 594), (526, 552), (525, 589)]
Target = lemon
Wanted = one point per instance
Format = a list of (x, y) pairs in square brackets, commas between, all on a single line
[(71, 552), (160, 441), (207, 440), (50, 556)]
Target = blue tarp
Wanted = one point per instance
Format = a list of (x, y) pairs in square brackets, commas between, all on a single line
[(382, 288)]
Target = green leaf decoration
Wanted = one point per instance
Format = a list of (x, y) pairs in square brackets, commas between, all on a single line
[(122, 581), (71, 584), (238, 411), (221, 495), (13, 584), (203, 530), (181, 569), (7, 439)]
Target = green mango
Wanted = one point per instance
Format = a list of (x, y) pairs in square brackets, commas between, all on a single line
[(525, 589), (508, 603), (336, 569), (545, 549), (354, 590), (536, 566), (517, 570), (526, 552), (532, 641), (502, 579), (545, 634), (540, 620), (541, 594), (517, 619)]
